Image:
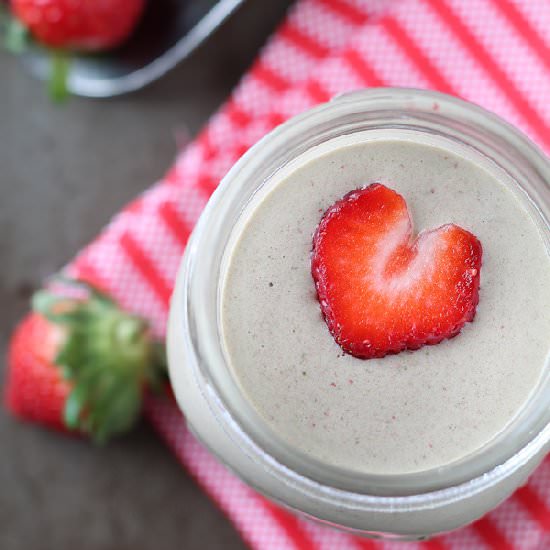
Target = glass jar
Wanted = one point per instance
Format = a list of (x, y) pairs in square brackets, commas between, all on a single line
[(406, 506)]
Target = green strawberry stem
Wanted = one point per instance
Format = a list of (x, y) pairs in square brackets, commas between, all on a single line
[(108, 356), (14, 33), (17, 39), (60, 62), (16, 36)]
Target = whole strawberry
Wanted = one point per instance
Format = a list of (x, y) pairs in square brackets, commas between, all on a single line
[(36, 389), (83, 25), (81, 364), (67, 26)]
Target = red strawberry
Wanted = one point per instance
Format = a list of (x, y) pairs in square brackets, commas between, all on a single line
[(80, 364), (79, 25), (380, 290), (35, 388), (71, 25)]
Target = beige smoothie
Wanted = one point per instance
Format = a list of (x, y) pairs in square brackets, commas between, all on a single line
[(416, 410)]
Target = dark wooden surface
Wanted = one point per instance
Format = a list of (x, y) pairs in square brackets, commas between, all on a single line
[(64, 171)]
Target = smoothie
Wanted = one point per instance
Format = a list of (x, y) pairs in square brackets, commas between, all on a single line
[(403, 413)]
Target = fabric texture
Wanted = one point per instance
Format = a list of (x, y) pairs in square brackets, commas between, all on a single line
[(492, 52)]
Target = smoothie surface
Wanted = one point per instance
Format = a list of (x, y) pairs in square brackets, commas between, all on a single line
[(412, 411)]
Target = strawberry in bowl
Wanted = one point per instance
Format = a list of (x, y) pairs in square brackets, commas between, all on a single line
[(65, 27)]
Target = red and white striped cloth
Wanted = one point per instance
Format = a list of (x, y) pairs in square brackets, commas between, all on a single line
[(492, 52)]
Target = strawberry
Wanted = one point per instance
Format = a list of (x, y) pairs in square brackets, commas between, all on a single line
[(81, 364), (65, 26), (36, 389), (79, 25), (382, 291)]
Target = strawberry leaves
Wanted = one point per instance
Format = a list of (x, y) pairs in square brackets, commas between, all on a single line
[(107, 356), (16, 36)]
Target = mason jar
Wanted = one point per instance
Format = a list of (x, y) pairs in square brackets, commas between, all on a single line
[(408, 506)]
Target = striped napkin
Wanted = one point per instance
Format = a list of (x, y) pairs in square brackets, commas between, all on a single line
[(493, 52)]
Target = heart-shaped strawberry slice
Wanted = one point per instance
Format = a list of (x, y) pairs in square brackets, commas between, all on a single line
[(380, 290)]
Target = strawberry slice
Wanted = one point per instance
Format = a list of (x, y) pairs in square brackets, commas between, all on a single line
[(382, 291)]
